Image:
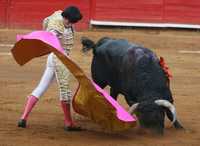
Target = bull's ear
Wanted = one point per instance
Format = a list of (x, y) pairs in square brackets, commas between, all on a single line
[(133, 108)]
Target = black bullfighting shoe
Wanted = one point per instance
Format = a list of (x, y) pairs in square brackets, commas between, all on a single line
[(22, 123), (72, 128)]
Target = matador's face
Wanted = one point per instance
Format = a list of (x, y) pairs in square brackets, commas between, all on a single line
[(66, 22)]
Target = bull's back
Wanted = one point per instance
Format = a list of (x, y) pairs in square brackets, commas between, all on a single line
[(130, 69), (107, 61)]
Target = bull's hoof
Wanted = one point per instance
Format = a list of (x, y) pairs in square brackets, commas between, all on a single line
[(22, 123), (177, 125), (72, 128)]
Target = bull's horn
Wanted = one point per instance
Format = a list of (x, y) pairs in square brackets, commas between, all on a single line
[(132, 108), (168, 105)]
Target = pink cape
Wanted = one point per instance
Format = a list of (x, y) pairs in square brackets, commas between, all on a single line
[(90, 100)]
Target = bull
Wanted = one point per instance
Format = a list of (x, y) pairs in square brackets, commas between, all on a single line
[(135, 72)]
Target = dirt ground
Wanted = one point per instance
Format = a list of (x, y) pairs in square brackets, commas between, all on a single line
[(45, 125)]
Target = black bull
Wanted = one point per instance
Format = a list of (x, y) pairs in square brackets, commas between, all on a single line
[(135, 72)]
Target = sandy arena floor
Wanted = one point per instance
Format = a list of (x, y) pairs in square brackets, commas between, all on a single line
[(181, 50)]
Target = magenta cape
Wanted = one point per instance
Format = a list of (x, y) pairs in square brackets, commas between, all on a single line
[(89, 100)]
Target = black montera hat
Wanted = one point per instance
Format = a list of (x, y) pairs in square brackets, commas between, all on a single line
[(72, 13)]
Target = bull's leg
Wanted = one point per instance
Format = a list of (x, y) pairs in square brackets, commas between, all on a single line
[(176, 124), (113, 93)]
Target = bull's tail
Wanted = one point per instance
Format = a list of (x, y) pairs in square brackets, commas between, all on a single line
[(87, 44)]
